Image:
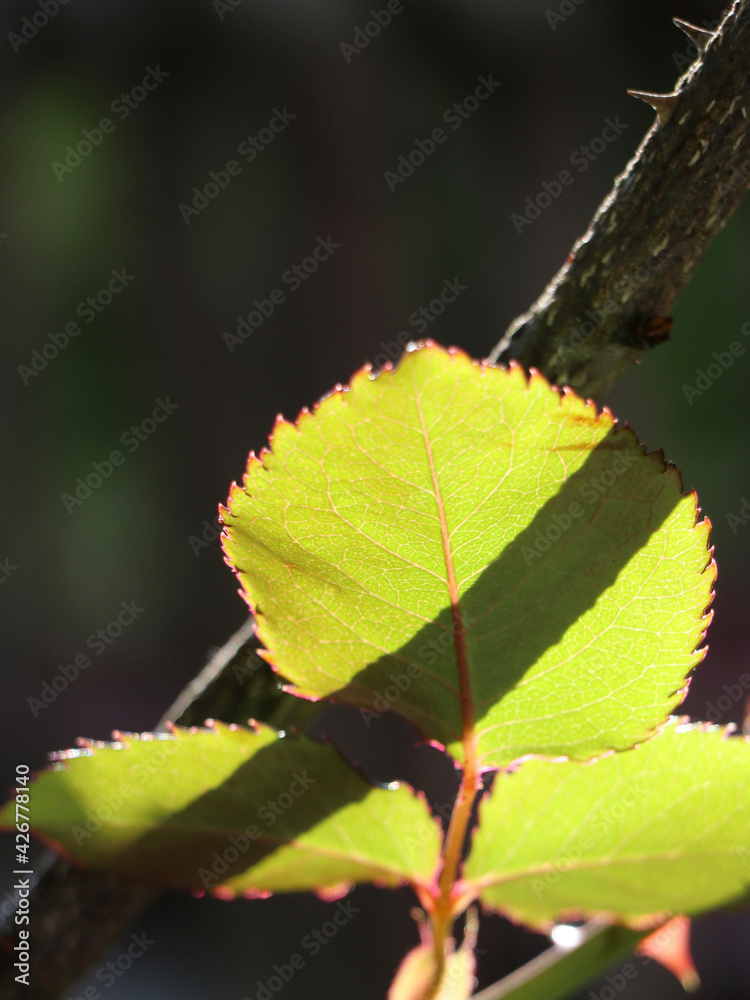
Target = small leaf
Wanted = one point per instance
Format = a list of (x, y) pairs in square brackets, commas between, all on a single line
[(232, 809), (448, 536), (637, 836)]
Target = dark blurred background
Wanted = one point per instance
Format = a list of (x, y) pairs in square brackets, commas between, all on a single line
[(225, 72)]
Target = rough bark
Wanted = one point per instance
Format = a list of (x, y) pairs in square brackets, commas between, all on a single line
[(613, 297)]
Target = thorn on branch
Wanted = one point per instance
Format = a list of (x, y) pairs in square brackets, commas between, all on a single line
[(663, 104), (699, 36)]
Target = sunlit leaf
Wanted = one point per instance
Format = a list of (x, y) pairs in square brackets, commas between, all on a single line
[(639, 836), (233, 810), (449, 530)]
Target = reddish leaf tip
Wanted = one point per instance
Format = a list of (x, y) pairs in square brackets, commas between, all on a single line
[(330, 894), (670, 947)]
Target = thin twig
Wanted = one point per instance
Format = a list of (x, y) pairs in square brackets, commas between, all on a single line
[(558, 972)]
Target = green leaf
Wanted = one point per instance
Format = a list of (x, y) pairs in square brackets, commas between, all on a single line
[(660, 830), (234, 808), (447, 532)]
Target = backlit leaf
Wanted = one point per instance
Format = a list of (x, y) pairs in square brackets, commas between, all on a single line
[(659, 830), (450, 530), (233, 810)]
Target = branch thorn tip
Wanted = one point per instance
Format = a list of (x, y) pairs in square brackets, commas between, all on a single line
[(663, 104), (699, 36)]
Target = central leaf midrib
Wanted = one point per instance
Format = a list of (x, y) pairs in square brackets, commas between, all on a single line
[(459, 634)]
